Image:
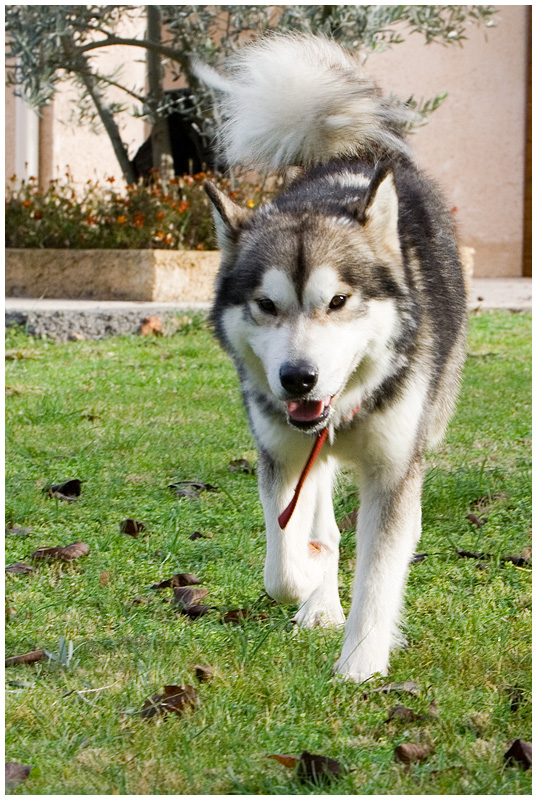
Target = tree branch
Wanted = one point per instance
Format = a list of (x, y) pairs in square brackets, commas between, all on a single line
[(161, 49), (90, 81)]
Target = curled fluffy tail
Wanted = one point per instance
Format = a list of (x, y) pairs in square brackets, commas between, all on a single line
[(301, 100)]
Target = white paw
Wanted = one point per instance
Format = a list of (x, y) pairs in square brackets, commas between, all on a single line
[(317, 611), (353, 673), (360, 664)]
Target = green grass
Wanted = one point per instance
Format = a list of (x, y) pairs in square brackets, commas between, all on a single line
[(130, 415)]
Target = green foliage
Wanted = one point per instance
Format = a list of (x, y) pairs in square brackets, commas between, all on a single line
[(130, 415), (176, 216)]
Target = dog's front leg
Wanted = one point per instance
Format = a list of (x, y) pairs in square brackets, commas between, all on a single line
[(302, 560), (389, 524)]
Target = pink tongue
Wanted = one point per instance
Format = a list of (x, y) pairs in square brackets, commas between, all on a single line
[(307, 410)]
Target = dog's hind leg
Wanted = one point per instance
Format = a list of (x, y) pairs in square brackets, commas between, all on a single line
[(302, 560), (389, 526)]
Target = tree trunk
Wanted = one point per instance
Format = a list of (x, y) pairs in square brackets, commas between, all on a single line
[(160, 138)]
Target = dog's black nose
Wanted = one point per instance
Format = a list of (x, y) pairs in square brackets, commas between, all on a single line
[(298, 378)]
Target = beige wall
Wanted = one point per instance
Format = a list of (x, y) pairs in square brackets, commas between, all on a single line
[(474, 145), (65, 146)]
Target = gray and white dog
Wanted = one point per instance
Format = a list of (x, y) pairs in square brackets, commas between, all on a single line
[(342, 305)]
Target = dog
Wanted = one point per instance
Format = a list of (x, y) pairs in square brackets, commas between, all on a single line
[(342, 305)]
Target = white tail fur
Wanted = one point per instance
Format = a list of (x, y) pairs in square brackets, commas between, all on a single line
[(294, 99)]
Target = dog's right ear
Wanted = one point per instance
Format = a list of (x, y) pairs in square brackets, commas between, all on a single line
[(228, 218)]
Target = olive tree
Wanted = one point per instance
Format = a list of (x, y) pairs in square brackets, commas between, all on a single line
[(50, 45)]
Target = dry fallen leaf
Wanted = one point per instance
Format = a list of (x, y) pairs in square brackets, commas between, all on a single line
[(59, 553), (286, 760), (69, 490), (180, 579), (310, 767), (203, 674), (131, 527), (238, 615), (188, 595), (470, 554), (26, 658), (316, 768), (20, 568), (15, 774), (523, 560), (418, 558), (241, 465), (199, 535), (191, 489), (175, 699), (408, 753), (196, 610), (74, 551), (105, 578), (519, 753), (151, 326)]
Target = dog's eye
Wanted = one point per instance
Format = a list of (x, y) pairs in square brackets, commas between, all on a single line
[(267, 306), (338, 301)]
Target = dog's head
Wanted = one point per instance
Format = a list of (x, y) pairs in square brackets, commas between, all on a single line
[(307, 296)]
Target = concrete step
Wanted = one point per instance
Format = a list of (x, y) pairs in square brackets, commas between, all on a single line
[(66, 320)]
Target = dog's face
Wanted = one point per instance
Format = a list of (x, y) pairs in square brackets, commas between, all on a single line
[(308, 301)]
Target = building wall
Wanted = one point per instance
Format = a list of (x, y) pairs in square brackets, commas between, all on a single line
[(473, 146)]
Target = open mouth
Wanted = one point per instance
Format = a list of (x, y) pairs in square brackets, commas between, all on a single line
[(308, 413)]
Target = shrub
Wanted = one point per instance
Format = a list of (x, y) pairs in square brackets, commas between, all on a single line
[(140, 216)]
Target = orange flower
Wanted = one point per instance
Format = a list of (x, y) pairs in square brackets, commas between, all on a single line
[(200, 247), (38, 215), (159, 235), (183, 206), (250, 204), (121, 220), (111, 179), (26, 203), (160, 215), (188, 179), (139, 219)]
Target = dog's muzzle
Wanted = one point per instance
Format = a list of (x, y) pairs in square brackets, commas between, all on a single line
[(298, 379)]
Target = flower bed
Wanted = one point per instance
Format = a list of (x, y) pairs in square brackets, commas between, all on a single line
[(146, 242), (143, 216)]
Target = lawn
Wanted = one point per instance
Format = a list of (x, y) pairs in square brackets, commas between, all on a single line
[(128, 417)]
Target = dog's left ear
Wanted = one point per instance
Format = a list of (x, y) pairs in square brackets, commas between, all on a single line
[(378, 211), (228, 218)]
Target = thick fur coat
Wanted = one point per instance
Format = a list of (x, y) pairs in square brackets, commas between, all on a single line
[(342, 305)]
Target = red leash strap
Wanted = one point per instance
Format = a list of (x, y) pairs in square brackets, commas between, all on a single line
[(286, 514)]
